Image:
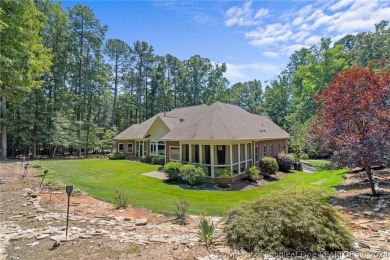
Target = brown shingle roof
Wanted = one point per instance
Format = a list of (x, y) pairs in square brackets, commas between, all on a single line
[(221, 121), (218, 121)]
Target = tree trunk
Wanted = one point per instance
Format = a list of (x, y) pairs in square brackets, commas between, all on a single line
[(3, 129), (115, 93), (372, 184)]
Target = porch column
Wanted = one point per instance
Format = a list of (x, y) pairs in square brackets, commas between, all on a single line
[(212, 160), (180, 154), (200, 154), (190, 153), (231, 159), (246, 156), (239, 158)]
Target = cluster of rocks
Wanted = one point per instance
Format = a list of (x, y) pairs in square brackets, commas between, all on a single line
[(118, 228)]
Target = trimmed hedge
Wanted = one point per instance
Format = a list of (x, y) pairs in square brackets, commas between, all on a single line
[(158, 160), (268, 165), (146, 159), (225, 177), (253, 173), (291, 221), (285, 162), (192, 175), (172, 170), (116, 156)]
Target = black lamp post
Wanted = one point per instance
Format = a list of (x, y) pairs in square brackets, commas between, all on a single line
[(69, 189)]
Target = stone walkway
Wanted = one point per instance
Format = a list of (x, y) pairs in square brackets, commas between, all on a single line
[(156, 174)]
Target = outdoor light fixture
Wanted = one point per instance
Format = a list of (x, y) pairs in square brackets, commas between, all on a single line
[(69, 189)]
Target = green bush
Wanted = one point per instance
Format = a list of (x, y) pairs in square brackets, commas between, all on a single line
[(158, 160), (120, 199), (181, 211), (291, 221), (172, 170), (285, 162), (146, 159), (268, 165), (191, 174), (225, 177), (116, 156), (253, 173)]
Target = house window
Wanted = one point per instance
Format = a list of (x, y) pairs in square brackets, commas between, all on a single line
[(272, 149), (174, 153), (256, 153), (157, 148), (130, 148), (120, 148), (265, 150), (279, 147)]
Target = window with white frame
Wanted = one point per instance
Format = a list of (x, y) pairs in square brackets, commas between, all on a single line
[(174, 153), (120, 148), (157, 148), (130, 148)]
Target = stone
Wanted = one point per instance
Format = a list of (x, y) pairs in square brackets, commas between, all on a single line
[(42, 236), (33, 244), (141, 221), (158, 240)]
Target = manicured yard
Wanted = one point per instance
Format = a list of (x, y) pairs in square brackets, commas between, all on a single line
[(99, 177), (317, 163)]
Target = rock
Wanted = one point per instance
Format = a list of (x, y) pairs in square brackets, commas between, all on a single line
[(3, 251), (33, 244), (190, 245), (141, 221), (55, 245), (42, 236), (158, 240)]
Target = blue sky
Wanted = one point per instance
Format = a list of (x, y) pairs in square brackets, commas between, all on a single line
[(254, 38)]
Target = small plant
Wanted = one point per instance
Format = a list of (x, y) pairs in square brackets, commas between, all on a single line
[(146, 159), (253, 173), (116, 156), (181, 211), (172, 170), (36, 165), (158, 160), (192, 175), (225, 177), (120, 199), (206, 231), (268, 165), (44, 175), (285, 162)]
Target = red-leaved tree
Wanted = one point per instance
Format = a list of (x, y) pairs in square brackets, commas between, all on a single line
[(354, 119)]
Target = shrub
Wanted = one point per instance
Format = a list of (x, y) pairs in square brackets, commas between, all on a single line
[(285, 162), (116, 156), (146, 159), (191, 174), (225, 177), (268, 165), (291, 220), (206, 231), (120, 199), (181, 211), (172, 170), (158, 160), (253, 173)]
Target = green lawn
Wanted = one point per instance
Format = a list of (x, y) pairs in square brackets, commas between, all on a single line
[(317, 163), (99, 177)]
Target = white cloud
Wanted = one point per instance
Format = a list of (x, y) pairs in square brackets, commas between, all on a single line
[(303, 27), (271, 54), (245, 72), (244, 16)]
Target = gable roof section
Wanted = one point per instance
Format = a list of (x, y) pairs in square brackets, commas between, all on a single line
[(221, 121), (171, 119)]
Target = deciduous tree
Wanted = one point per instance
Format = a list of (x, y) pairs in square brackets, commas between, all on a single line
[(355, 117)]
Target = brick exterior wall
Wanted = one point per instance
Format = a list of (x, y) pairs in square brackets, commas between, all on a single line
[(274, 147), (167, 145), (125, 142)]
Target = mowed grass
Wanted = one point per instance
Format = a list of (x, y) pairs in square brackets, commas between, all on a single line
[(317, 162), (99, 177)]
